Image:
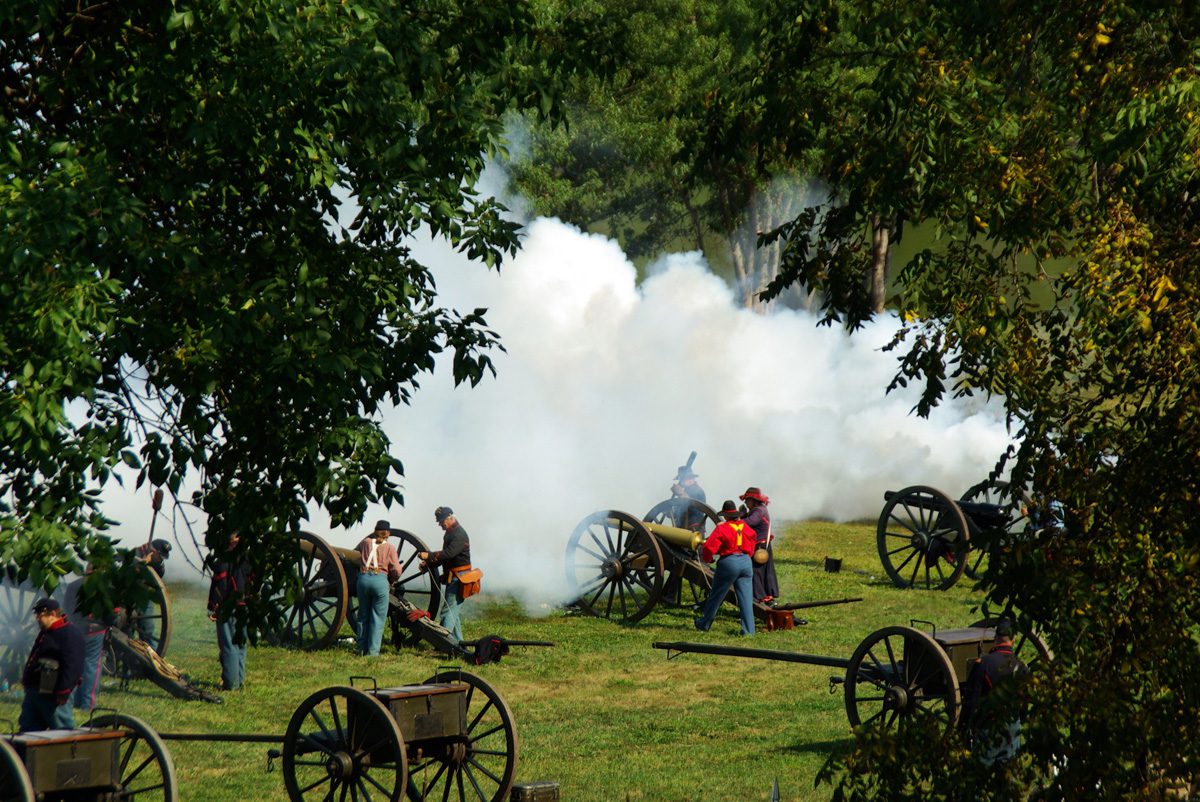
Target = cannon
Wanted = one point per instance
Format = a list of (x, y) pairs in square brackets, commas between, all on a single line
[(449, 737), (114, 757), (324, 596), (620, 567), (898, 672), (149, 622), (927, 539)]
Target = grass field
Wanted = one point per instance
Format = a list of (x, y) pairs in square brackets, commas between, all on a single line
[(602, 713)]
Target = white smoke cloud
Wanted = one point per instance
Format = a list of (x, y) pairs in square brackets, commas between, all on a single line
[(605, 388)]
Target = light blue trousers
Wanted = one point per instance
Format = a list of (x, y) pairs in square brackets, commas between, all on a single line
[(372, 611)]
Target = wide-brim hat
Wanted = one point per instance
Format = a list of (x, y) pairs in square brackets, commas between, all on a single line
[(730, 511), (685, 472), (756, 494)]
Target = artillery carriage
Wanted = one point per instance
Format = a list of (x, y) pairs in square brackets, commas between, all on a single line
[(898, 672), (449, 737), (324, 598), (620, 567), (114, 757), (927, 539)]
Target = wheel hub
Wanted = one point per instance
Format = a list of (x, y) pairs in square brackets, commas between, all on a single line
[(612, 568), (896, 698), (339, 765), (920, 541), (457, 753)]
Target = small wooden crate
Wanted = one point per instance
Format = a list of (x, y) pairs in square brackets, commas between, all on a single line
[(534, 792)]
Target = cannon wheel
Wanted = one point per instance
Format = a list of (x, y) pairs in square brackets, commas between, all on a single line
[(18, 629), (1030, 646), (991, 493), (482, 765), (697, 582), (144, 765), (153, 622), (343, 741), (420, 588), (898, 673), (315, 618), (14, 781), (151, 625), (615, 566), (922, 538)]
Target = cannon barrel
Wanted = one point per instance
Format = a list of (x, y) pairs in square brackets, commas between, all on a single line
[(754, 654), (808, 605), (681, 538)]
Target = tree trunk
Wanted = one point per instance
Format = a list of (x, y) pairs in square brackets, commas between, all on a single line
[(881, 257)]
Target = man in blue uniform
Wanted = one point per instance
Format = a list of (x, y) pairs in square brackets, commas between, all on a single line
[(52, 671), (995, 732)]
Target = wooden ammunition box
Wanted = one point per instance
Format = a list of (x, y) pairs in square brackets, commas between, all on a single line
[(534, 792), (964, 646), (423, 712), (63, 760)]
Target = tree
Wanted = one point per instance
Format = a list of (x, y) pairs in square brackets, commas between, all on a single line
[(185, 289), (1055, 152), (633, 161)]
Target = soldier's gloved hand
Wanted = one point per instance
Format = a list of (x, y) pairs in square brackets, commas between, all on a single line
[(416, 615)]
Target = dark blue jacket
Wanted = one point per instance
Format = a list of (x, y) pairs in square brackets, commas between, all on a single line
[(62, 642)]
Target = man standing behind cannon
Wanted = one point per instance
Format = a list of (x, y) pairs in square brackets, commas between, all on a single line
[(732, 540), (994, 731), (766, 585), (380, 568), (686, 487), (461, 581), (229, 580), (52, 671)]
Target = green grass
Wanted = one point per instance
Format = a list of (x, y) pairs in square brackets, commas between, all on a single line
[(602, 713)]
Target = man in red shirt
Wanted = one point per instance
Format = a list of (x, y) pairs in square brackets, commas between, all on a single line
[(733, 542)]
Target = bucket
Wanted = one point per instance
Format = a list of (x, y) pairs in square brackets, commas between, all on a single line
[(833, 565)]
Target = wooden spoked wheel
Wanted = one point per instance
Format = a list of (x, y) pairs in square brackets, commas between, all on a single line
[(922, 537), (18, 628), (1029, 647), (145, 768), (152, 622), (148, 621), (14, 780), (420, 588), (983, 545), (479, 766), (615, 566), (900, 673), (682, 511), (342, 744), (687, 585), (314, 606)]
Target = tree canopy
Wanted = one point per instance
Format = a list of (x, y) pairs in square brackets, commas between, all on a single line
[(636, 160), (1054, 152), (204, 265)]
